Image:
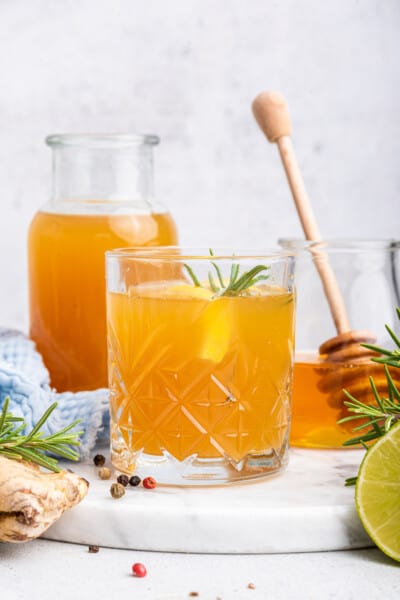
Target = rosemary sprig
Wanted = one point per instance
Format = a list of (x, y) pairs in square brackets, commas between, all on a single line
[(244, 282), (379, 417), (192, 275), (33, 446), (236, 285)]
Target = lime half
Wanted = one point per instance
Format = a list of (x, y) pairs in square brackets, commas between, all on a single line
[(378, 493)]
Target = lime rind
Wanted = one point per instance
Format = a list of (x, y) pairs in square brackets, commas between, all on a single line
[(377, 493)]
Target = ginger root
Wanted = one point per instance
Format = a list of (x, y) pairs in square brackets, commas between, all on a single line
[(32, 500)]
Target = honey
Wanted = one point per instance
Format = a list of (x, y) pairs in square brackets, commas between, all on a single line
[(318, 399)]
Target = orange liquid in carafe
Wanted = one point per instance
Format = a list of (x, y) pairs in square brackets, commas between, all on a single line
[(67, 287)]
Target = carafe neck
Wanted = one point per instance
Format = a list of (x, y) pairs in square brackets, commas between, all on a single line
[(102, 170)]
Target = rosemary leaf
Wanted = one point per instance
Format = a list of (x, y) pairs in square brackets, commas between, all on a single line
[(234, 273), (34, 446), (392, 387), (42, 420), (212, 283), (59, 433), (377, 349), (376, 395), (193, 277), (4, 413), (357, 440), (393, 336), (217, 270)]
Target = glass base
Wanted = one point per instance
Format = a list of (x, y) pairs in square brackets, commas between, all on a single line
[(194, 471)]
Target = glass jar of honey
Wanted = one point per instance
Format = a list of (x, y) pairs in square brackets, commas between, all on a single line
[(367, 274), (102, 198)]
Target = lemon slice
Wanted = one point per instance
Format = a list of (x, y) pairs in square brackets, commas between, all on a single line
[(170, 290), (378, 493), (189, 291), (216, 325)]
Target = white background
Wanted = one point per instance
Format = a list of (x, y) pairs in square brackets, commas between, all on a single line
[(188, 70)]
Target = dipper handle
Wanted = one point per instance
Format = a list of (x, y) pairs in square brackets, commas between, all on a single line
[(272, 115)]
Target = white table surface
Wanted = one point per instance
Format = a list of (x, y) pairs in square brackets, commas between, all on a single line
[(56, 570)]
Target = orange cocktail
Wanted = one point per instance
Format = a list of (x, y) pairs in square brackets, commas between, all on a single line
[(67, 287), (200, 377)]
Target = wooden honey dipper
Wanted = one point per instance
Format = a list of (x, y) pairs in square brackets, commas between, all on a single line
[(272, 115)]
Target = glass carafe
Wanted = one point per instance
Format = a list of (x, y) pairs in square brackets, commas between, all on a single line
[(367, 276), (102, 198)]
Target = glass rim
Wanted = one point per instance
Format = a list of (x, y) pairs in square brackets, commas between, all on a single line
[(350, 244), (196, 253), (101, 140)]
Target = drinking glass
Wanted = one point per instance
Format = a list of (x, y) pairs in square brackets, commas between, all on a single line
[(200, 352)]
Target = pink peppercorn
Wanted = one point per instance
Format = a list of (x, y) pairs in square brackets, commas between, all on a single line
[(139, 570), (149, 483)]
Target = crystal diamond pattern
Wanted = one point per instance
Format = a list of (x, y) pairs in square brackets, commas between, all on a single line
[(194, 378), (199, 412)]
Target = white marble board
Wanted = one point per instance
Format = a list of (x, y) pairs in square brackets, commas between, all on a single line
[(305, 509)]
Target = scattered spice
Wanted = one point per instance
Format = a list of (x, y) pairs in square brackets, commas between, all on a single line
[(193, 594), (104, 473), (99, 460), (123, 480), (251, 586), (93, 549), (117, 490), (134, 480), (149, 483), (139, 570)]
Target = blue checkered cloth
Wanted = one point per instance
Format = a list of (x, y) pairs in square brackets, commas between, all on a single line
[(25, 380)]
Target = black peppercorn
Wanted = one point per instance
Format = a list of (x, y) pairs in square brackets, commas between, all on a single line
[(134, 480), (99, 460), (123, 480), (93, 549)]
